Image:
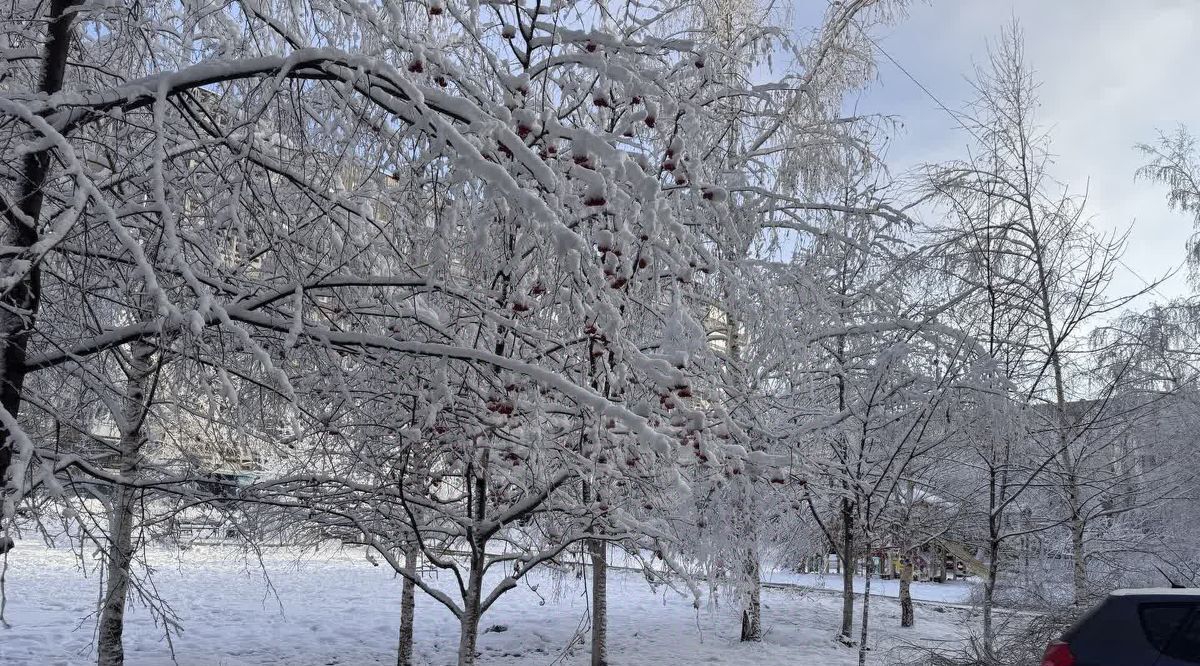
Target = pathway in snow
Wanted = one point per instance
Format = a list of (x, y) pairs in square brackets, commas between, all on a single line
[(955, 591)]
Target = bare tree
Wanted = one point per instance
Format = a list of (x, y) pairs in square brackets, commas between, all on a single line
[(1040, 274)]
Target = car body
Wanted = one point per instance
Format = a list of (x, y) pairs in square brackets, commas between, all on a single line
[(1146, 627)]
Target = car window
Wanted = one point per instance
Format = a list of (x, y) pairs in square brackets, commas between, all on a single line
[(1161, 622), (1185, 645)]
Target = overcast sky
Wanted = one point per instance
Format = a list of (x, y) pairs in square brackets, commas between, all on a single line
[(1113, 72)]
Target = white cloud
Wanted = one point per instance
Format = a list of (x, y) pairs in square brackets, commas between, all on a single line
[(1113, 71)]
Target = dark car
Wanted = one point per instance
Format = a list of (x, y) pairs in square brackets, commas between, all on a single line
[(1151, 627)]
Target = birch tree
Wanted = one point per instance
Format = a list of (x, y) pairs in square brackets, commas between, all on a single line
[(1172, 160)]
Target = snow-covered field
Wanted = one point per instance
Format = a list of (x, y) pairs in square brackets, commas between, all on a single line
[(335, 608)]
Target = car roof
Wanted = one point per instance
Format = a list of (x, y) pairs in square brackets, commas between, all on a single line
[(1157, 592)]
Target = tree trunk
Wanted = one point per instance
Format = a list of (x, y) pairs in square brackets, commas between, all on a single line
[(19, 304), (1079, 564), (407, 607), (752, 611), (110, 651), (473, 594), (846, 562), (906, 602), (997, 495), (469, 622), (599, 602), (866, 610), (989, 592)]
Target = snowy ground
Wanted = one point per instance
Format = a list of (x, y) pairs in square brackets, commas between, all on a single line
[(335, 608)]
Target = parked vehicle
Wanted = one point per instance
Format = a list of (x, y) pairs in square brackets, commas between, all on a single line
[(1149, 627)]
